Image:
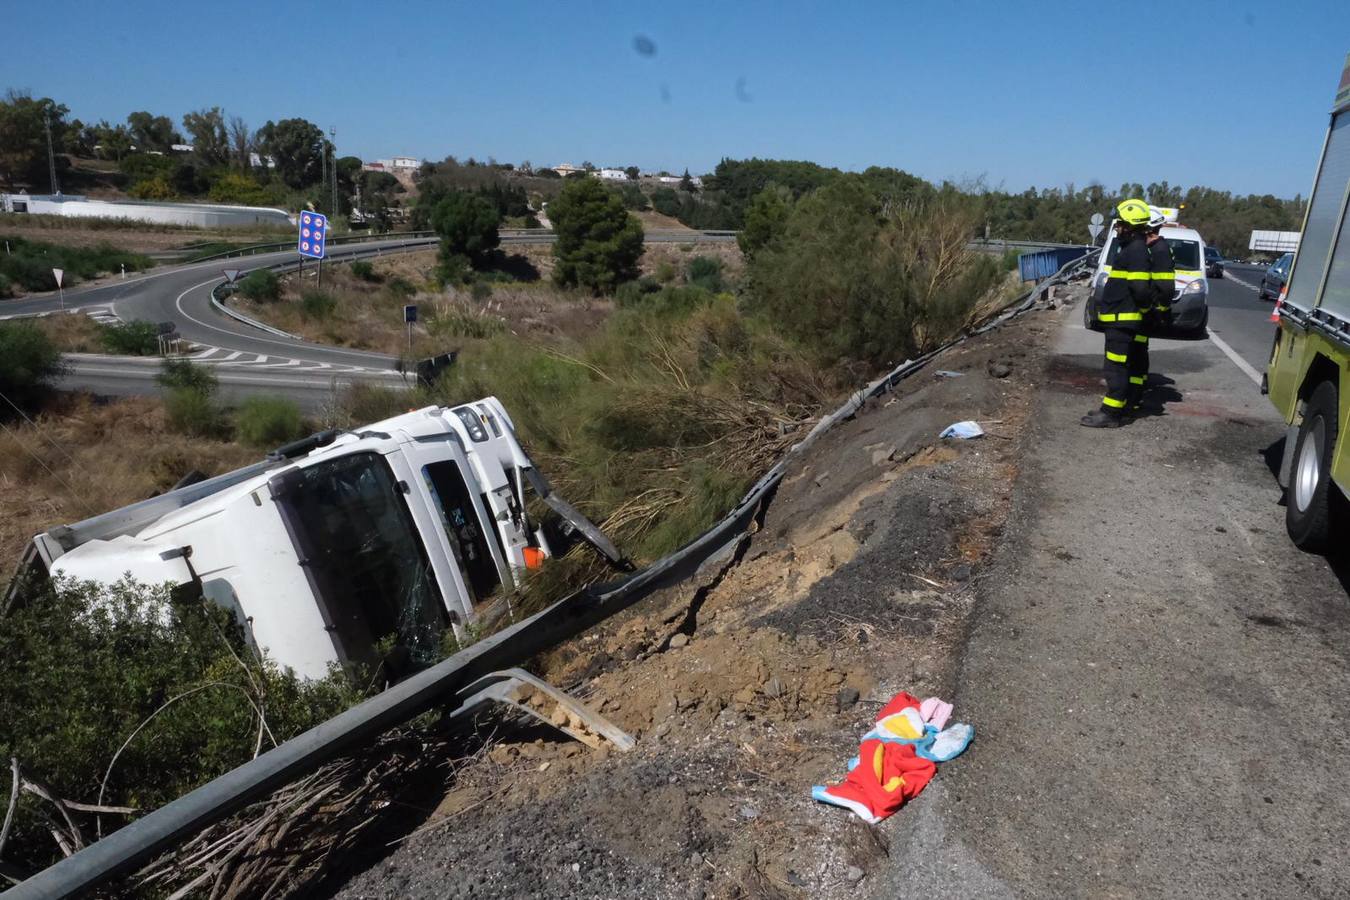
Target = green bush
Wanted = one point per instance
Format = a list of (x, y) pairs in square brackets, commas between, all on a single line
[(399, 287), (194, 413), (29, 263), (599, 242), (261, 285), (665, 273), (365, 271), (467, 225), (6, 286), (131, 338), (182, 373), (86, 665), (857, 281), (268, 422), (28, 362), (706, 272), (317, 304), (461, 321)]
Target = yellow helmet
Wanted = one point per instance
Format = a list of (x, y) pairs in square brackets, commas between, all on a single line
[(1133, 212)]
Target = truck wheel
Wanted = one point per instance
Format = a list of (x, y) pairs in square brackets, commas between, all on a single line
[(1307, 511)]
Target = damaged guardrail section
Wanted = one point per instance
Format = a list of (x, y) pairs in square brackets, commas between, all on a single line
[(143, 839)]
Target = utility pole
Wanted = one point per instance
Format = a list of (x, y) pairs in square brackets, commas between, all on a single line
[(51, 157), (324, 176), (332, 134)]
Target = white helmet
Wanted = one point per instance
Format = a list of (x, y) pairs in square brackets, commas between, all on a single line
[(1156, 217)]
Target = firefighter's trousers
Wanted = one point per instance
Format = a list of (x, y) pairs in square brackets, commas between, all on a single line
[(1119, 345), (1137, 366)]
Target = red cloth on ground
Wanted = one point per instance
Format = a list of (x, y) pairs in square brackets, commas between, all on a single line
[(887, 775)]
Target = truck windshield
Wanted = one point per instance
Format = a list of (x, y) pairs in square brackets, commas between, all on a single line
[(366, 563)]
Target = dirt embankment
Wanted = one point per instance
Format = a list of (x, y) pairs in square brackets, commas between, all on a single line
[(752, 685)]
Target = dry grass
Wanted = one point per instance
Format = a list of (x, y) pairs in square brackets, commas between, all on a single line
[(137, 237), (72, 333), (82, 458)]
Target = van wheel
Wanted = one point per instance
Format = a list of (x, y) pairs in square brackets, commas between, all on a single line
[(1307, 511)]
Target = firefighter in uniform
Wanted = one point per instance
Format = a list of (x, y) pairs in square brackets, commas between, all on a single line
[(1127, 295), (1163, 284)]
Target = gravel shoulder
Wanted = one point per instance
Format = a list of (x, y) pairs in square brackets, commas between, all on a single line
[(1158, 679), (751, 684)]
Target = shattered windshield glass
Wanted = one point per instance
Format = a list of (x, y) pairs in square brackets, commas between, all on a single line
[(365, 558)]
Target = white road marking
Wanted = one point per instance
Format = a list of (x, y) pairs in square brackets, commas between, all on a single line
[(1236, 280), (1237, 360)]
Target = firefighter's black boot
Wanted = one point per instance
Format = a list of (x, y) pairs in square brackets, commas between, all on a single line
[(1100, 419)]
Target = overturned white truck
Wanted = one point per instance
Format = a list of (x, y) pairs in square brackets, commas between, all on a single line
[(339, 541)]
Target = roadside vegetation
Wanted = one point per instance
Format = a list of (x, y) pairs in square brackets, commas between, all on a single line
[(27, 265)]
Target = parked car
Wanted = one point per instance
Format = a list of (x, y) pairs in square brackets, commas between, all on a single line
[(1213, 263), (1273, 280)]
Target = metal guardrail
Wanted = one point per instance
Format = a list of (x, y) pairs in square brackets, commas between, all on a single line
[(279, 246), (150, 835)]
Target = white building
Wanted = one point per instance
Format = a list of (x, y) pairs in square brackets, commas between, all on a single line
[(677, 179), (396, 164), (613, 174), (567, 169), (199, 214)]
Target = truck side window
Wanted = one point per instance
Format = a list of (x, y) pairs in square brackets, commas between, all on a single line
[(462, 528)]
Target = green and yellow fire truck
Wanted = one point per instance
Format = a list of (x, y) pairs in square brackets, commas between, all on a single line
[(1308, 378)]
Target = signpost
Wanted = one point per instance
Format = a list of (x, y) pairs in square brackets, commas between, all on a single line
[(1095, 226), (409, 317), (58, 274), (231, 275), (311, 239)]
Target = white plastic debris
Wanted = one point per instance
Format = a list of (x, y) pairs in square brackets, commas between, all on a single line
[(963, 431), (947, 373)]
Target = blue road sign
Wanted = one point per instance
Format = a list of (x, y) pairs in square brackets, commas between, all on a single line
[(313, 234), (410, 313)]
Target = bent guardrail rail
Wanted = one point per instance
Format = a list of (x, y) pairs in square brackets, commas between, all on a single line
[(142, 839)]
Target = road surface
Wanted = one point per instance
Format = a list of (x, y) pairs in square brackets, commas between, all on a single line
[(1159, 679)]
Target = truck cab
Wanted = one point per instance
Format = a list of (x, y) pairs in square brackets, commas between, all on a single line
[(343, 545), (1308, 377)]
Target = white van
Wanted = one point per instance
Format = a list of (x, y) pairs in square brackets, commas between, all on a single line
[(1190, 307)]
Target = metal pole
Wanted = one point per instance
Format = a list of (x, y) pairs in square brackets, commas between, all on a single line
[(51, 157), (320, 285), (62, 291), (332, 134)]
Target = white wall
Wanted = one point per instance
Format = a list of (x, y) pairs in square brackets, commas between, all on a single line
[(200, 214)]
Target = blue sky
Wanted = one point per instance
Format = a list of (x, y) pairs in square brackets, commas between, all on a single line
[(1018, 94)]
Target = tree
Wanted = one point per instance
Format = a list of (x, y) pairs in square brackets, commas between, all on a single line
[(23, 136), (210, 141), (599, 243), (687, 183), (241, 143), (152, 132), (28, 362), (467, 225), (242, 189), (632, 172), (765, 219), (112, 141), (298, 147)]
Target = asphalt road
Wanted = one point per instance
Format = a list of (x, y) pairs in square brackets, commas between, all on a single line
[(1238, 318), (1159, 680)]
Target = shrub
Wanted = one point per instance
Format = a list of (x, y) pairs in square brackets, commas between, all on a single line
[(240, 189), (6, 286), (317, 304), (467, 225), (363, 270), (29, 263), (599, 242), (481, 291), (665, 273), (261, 285), (156, 188), (131, 338), (399, 287), (633, 293), (462, 320), (268, 422), (706, 272), (28, 361), (182, 373), (86, 665), (194, 413)]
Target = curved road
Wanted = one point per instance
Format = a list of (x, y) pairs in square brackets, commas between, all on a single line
[(246, 360)]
